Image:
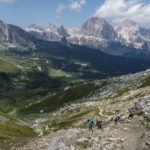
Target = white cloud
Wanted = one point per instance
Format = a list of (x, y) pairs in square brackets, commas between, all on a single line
[(60, 8), (119, 10), (75, 5), (7, 1)]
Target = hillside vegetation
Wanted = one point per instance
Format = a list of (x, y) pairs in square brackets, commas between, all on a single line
[(49, 93), (42, 113)]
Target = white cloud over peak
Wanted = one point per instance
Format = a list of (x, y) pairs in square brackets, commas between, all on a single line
[(75, 5), (7, 1), (119, 10)]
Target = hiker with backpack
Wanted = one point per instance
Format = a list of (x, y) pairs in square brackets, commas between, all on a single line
[(117, 118), (99, 124), (90, 123)]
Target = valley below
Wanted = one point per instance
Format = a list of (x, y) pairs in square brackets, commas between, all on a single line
[(57, 120)]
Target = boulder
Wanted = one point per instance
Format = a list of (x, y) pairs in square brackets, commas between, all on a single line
[(142, 106), (57, 143)]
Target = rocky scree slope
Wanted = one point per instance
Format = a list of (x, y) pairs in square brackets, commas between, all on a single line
[(65, 129)]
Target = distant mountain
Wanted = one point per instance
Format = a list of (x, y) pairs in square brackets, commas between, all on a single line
[(49, 33), (100, 28), (99, 33), (127, 39), (95, 33), (131, 34), (14, 37)]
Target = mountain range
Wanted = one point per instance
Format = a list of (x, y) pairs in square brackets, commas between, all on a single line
[(127, 39), (49, 33), (98, 33)]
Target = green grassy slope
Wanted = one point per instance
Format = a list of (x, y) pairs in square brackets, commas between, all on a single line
[(7, 66), (60, 98), (13, 133)]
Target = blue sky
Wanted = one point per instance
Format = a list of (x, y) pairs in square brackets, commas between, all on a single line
[(73, 12), (42, 12)]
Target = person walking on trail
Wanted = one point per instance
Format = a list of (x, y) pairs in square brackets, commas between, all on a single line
[(90, 123), (99, 125), (117, 118)]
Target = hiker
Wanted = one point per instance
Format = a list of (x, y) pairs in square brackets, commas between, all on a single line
[(117, 118), (99, 125), (90, 123)]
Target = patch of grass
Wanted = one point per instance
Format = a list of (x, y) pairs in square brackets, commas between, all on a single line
[(53, 102), (13, 129), (64, 121), (6, 66), (12, 134), (145, 82), (20, 99), (6, 106), (59, 73), (122, 91), (84, 145), (24, 94), (25, 64)]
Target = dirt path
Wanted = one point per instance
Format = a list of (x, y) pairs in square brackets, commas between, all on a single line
[(132, 132), (126, 135)]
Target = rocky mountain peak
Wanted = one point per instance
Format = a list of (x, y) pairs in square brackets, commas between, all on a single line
[(129, 23), (1, 22), (98, 20), (14, 37), (73, 31), (98, 27), (57, 29), (49, 33), (62, 31), (34, 27), (131, 33)]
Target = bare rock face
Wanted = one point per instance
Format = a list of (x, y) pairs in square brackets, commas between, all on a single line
[(49, 33), (142, 106), (130, 33), (2, 31), (98, 27), (14, 37), (62, 31), (57, 143)]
